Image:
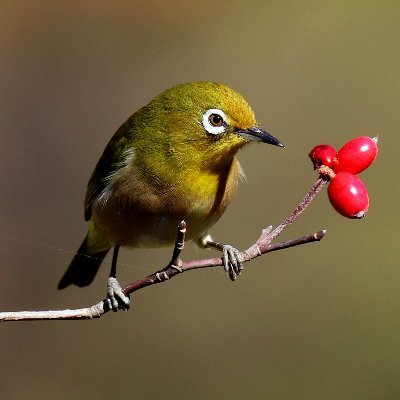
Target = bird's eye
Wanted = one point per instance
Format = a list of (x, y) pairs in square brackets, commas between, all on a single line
[(214, 121)]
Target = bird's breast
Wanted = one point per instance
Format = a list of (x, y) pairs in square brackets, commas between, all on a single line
[(144, 211)]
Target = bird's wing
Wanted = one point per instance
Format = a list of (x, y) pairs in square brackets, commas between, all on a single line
[(116, 156)]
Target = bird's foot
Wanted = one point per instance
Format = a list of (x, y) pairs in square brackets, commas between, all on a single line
[(116, 299), (231, 257), (233, 261)]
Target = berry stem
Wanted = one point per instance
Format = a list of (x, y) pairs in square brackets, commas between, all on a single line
[(315, 189)]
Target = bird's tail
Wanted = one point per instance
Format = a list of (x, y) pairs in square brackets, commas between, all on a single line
[(85, 264)]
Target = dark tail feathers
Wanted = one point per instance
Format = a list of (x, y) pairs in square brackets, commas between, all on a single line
[(83, 267)]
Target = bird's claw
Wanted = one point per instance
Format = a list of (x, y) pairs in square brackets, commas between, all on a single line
[(116, 299), (233, 262)]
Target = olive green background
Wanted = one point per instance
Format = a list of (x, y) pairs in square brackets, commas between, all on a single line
[(317, 322)]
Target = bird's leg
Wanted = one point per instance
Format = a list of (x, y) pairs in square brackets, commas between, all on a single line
[(232, 258), (115, 296)]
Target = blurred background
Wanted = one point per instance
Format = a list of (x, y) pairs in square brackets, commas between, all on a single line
[(320, 321)]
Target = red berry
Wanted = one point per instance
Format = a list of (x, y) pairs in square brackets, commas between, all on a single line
[(322, 154), (348, 195), (356, 155)]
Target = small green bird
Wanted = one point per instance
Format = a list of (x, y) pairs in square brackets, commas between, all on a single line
[(172, 160)]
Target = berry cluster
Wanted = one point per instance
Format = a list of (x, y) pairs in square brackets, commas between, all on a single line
[(346, 191)]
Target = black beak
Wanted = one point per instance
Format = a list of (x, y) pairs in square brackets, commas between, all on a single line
[(259, 135)]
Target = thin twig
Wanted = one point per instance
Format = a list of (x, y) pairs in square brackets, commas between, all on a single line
[(97, 310), (268, 235), (177, 266)]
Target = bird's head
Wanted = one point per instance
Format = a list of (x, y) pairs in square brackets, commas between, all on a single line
[(208, 121)]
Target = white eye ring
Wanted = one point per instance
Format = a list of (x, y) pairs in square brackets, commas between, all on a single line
[(212, 127)]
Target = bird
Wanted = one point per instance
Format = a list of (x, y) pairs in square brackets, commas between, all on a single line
[(174, 159)]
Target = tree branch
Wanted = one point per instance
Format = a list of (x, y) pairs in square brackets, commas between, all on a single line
[(177, 266)]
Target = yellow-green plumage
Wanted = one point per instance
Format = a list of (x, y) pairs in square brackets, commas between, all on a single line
[(162, 166)]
